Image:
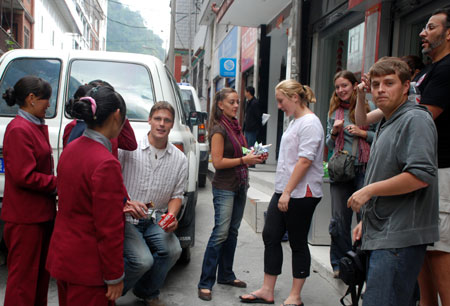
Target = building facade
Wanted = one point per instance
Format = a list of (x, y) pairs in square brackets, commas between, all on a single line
[(62, 24), (305, 40)]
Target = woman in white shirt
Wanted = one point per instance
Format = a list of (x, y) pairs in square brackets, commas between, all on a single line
[(298, 190)]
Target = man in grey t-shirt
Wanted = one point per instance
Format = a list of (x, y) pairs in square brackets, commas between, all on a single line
[(399, 202)]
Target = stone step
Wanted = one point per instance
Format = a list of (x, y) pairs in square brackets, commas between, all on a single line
[(256, 205)]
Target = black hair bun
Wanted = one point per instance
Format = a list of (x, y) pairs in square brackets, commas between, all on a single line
[(9, 96)]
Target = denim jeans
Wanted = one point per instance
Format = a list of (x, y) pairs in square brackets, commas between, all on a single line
[(219, 253), (251, 137), (392, 275), (149, 253), (341, 217)]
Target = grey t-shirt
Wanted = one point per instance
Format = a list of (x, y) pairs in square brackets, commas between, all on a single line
[(407, 142)]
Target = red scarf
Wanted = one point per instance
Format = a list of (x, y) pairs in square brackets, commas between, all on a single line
[(237, 139), (363, 146)]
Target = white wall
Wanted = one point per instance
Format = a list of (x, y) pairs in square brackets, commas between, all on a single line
[(278, 49), (53, 28), (50, 26)]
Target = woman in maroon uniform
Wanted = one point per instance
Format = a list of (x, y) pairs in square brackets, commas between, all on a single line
[(29, 206), (75, 128), (86, 249)]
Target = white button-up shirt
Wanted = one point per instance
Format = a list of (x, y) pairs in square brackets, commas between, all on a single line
[(158, 180), (304, 137)]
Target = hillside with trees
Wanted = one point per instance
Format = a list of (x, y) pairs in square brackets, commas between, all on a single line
[(126, 32)]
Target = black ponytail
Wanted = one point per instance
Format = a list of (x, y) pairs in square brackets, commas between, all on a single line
[(80, 92), (106, 101), (25, 86)]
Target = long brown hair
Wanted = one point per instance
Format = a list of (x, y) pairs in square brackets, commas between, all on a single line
[(335, 100), (216, 112)]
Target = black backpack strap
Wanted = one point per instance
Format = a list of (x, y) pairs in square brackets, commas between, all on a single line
[(346, 293), (360, 287), (355, 296)]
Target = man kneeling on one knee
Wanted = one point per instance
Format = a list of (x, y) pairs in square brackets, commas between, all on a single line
[(154, 173)]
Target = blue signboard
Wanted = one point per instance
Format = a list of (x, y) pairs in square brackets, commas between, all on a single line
[(226, 49), (227, 67)]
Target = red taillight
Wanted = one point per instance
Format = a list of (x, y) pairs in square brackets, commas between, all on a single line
[(179, 146), (201, 133)]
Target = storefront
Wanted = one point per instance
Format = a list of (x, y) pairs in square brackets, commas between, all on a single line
[(352, 35)]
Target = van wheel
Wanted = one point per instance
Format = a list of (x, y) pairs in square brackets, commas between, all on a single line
[(185, 256), (202, 180)]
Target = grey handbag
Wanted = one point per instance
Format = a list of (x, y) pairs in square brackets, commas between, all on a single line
[(341, 166)]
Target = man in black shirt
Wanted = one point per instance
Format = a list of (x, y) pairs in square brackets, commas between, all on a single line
[(434, 87), (253, 114)]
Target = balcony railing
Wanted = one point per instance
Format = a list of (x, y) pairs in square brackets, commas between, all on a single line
[(7, 42)]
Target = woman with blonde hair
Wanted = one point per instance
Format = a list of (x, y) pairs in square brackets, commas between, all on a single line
[(298, 190), (230, 184), (344, 134)]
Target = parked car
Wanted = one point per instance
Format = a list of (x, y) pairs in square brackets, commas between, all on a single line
[(142, 80), (191, 103)]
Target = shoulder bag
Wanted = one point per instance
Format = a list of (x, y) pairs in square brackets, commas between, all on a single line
[(341, 166)]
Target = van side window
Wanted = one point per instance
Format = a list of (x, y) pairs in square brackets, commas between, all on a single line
[(132, 81), (47, 69), (176, 91)]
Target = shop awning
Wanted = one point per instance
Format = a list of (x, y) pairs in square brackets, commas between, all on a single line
[(250, 13)]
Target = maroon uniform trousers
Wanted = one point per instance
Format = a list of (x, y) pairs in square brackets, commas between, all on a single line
[(28, 246)]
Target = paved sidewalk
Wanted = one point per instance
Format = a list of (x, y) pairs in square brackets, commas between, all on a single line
[(262, 179)]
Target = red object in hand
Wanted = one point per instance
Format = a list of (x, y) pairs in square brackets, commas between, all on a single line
[(166, 220)]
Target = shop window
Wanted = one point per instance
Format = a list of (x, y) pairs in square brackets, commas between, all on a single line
[(26, 38), (355, 48)]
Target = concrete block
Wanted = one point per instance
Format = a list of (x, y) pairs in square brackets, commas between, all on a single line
[(255, 207)]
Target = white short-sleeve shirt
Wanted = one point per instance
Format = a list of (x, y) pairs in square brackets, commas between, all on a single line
[(304, 137)]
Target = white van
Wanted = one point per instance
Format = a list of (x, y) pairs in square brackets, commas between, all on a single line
[(191, 102), (142, 80)]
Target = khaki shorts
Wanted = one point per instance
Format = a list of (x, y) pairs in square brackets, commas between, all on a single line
[(444, 212), (444, 234)]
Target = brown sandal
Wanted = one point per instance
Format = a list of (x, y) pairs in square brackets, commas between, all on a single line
[(205, 296)]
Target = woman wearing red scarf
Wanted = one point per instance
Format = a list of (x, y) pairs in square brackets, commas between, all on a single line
[(341, 131), (230, 185)]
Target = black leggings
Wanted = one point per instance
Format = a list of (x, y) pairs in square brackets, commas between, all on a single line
[(297, 221)]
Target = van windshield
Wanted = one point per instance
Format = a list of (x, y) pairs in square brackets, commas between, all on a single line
[(132, 81)]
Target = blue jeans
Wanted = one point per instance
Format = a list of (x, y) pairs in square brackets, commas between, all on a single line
[(149, 253), (251, 137), (392, 275), (341, 217), (228, 213)]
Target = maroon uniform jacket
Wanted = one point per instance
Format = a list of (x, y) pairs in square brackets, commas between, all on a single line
[(125, 141), (29, 179), (87, 243)]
